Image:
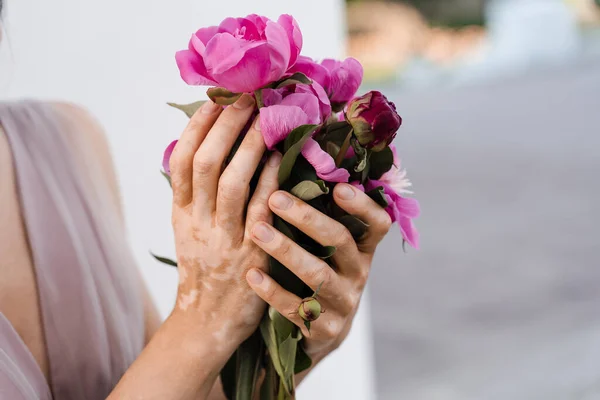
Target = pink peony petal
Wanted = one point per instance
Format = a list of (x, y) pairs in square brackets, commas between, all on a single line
[(307, 102), (259, 22), (167, 157), (314, 71), (271, 97), (192, 69), (317, 90), (409, 232), (249, 74), (241, 28), (280, 49), (323, 163), (277, 121), (358, 185), (346, 78), (294, 36), (205, 34), (225, 51)]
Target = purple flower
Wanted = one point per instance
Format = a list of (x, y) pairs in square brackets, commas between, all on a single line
[(241, 54), (167, 157), (340, 79), (374, 120), (323, 163)]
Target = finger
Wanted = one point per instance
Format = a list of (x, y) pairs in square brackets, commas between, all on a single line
[(209, 159), (258, 208), (181, 163), (310, 269), (318, 226), (356, 202), (234, 184), (286, 303)]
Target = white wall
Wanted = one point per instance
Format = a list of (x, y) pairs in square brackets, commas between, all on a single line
[(116, 57)]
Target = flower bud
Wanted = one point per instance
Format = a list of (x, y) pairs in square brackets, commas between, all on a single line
[(374, 120), (310, 309)]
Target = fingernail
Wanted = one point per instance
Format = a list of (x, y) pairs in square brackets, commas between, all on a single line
[(209, 107), (257, 124), (345, 192), (263, 233), (244, 102), (254, 276), (281, 201), (275, 159)]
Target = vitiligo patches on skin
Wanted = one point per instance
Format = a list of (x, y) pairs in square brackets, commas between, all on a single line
[(188, 299)]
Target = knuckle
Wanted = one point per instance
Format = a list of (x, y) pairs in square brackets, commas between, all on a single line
[(269, 293), (285, 249), (307, 216), (343, 237), (204, 165), (258, 212), (230, 189), (320, 275), (331, 330), (385, 222)]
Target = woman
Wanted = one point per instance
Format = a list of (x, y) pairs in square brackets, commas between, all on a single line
[(75, 319)]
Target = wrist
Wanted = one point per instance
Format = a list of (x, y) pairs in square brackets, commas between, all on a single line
[(201, 339)]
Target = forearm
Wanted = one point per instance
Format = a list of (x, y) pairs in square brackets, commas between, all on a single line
[(182, 361)]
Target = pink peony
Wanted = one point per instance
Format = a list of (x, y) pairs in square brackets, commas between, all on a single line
[(241, 54), (340, 79), (167, 157), (289, 107)]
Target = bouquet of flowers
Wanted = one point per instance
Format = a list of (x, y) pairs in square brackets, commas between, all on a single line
[(309, 113)]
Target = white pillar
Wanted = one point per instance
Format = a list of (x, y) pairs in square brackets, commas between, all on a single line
[(117, 59)]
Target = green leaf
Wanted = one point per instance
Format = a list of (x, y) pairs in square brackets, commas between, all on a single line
[(267, 331), (295, 79), (259, 98), (332, 149), (378, 195), (303, 361), (361, 155), (356, 227), (228, 377), (287, 353), (307, 325), (248, 367), (308, 190), (167, 177), (222, 96), (380, 162), (188, 109), (267, 390), (293, 145), (164, 260), (323, 252)]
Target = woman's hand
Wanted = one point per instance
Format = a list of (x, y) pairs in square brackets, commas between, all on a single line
[(343, 286), (214, 247)]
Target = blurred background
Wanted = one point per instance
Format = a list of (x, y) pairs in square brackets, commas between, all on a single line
[(501, 138), (500, 101)]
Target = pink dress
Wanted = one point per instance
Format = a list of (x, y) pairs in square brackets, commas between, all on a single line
[(89, 291)]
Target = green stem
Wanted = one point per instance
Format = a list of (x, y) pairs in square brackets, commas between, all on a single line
[(248, 365), (339, 159)]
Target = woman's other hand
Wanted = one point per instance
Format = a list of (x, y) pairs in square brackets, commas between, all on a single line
[(343, 286)]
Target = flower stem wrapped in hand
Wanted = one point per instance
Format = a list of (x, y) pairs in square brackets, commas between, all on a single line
[(308, 113)]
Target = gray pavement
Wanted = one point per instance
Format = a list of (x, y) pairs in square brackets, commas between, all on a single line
[(503, 300)]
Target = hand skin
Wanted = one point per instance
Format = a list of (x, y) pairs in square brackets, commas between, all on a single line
[(218, 243), (343, 286), (215, 309)]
